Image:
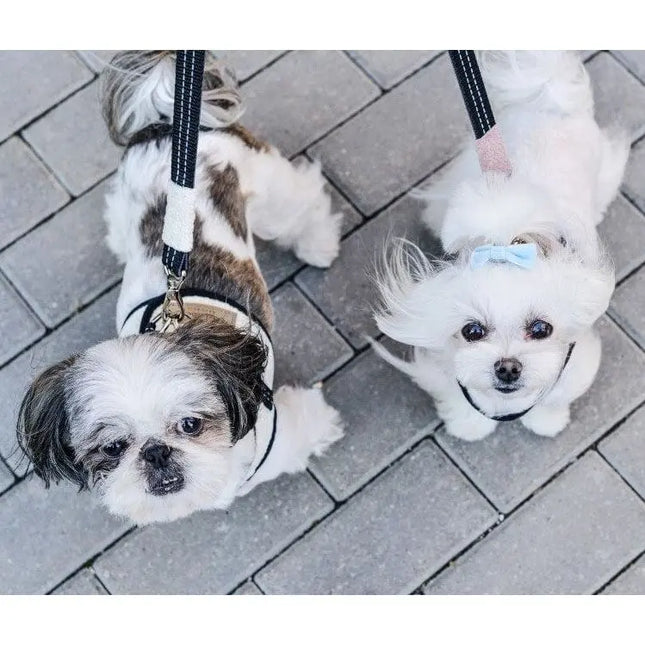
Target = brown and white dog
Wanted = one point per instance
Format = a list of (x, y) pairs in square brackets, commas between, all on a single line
[(164, 424)]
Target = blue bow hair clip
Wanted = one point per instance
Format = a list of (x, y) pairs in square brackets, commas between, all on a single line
[(521, 255)]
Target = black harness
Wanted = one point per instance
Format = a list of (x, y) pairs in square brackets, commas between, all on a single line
[(515, 415)]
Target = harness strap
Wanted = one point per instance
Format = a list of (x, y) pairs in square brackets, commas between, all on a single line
[(515, 415), (269, 445), (488, 141), (180, 209)]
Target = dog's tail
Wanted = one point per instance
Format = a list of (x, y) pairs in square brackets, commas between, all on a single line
[(554, 81), (403, 366), (138, 89)]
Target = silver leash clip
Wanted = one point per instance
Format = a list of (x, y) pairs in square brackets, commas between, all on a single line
[(172, 310)]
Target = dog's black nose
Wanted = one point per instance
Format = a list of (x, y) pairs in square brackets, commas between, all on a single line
[(508, 370), (157, 454)]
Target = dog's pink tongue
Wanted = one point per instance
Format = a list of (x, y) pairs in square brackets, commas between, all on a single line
[(492, 152)]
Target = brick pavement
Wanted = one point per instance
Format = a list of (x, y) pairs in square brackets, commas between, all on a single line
[(397, 506)]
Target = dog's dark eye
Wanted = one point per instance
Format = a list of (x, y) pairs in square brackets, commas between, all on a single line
[(115, 449), (190, 425), (473, 331), (540, 329)]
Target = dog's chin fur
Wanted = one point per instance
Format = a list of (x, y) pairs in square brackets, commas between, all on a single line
[(566, 170), (211, 478), (134, 392)]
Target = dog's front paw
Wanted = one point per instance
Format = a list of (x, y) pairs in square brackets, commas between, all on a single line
[(471, 428), (319, 245), (318, 423), (545, 421)]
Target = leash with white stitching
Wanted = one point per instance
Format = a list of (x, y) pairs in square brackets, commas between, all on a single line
[(179, 218), (488, 141)]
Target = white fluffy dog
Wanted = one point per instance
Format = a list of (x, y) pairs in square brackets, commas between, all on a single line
[(163, 424), (498, 336)]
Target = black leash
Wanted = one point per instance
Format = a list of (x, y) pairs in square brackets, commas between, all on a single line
[(179, 218), (489, 144), (516, 415), (473, 90)]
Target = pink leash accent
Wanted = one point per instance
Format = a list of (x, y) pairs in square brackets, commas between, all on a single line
[(492, 152)]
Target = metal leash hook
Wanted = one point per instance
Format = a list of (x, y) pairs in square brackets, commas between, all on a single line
[(172, 310)]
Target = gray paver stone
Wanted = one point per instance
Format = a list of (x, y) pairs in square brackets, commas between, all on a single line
[(29, 192), (33, 81), (346, 292), (248, 589), (570, 538), (394, 143), (84, 583), (74, 142), (291, 115), (388, 538), (634, 60), (384, 414), (388, 67), (625, 450), (623, 230), (306, 347), (47, 533), (64, 263), (245, 63), (633, 183), (213, 552), (628, 306), (18, 326), (618, 96), (6, 478), (631, 582)]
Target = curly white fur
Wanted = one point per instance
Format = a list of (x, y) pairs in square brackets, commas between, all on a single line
[(566, 171)]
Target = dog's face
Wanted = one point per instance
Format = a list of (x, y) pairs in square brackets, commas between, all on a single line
[(514, 331), (149, 421), (501, 331)]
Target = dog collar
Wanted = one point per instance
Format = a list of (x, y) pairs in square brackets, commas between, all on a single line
[(515, 415), (146, 318)]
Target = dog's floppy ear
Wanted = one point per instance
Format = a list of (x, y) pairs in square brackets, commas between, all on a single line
[(415, 297), (235, 360), (43, 428)]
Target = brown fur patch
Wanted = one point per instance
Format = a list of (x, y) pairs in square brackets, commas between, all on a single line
[(227, 198), (233, 360), (230, 276), (151, 227), (247, 138), (211, 267)]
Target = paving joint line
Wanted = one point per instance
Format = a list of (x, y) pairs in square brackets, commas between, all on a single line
[(56, 212), (264, 67), (384, 93), (29, 308), (337, 505), (364, 73), (374, 80), (54, 105), (73, 314), (625, 195), (624, 479), (50, 171), (625, 67), (325, 317), (621, 327), (468, 477), (512, 512), (90, 561), (98, 579), (618, 574)]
